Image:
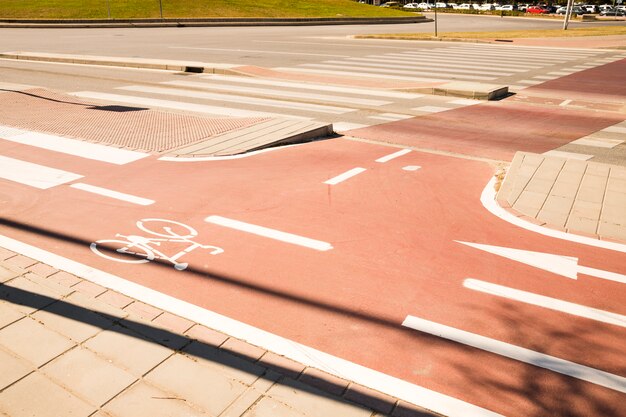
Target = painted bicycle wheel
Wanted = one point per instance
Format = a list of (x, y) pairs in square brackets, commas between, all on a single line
[(121, 251), (167, 228)]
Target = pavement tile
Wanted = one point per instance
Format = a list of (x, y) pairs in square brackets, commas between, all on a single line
[(128, 350), (586, 209), (617, 185), (42, 270), (615, 199), (573, 166), (312, 402), (582, 224), (88, 376), (142, 310), (72, 321), (95, 305), (115, 299), (370, 398), (20, 261), (592, 194), (404, 409), (65, 279), (618, 173), (201, 385), (145, 400), (241, 348), (243, 403), (205, 335), (269, 407), (172, 322), (324, 380), (541, 186), (558, 204), (8, 314), (7, 274), (43, 282), (155, 332), (231, 366), (612, 231), (21, 399), (529, 203), (285, 366), (33, 342), (614, 214), (89, 288), (565, 189), (12, 368), (600, 170), (6, 254)]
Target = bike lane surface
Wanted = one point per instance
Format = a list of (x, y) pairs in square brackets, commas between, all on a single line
[(394, 229)]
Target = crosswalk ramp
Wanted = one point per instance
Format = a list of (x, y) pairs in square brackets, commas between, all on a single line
[(468, 62)]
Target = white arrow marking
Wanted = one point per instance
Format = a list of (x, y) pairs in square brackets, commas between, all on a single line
[(566, 266)]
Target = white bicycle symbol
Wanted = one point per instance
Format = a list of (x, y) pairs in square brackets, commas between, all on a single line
[(138, 249)]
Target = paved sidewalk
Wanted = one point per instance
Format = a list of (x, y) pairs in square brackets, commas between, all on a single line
[(71, 347)]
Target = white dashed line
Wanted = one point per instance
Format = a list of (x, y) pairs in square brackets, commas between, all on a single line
[(112, 194), (346, 175), (393, 155), (269, 233)]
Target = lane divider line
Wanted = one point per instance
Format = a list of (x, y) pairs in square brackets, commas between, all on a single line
[(308, 356), (34, 175), (269, 233), (112, 194), (394, 155), (546, 302), (346, 175), (541, 360), (75, 147)]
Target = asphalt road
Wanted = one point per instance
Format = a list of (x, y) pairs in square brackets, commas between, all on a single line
[(263, 46)]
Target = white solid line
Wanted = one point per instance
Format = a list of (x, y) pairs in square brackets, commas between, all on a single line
[(237, 99), (565, 102), (307, 356), (394, 155), (34, 175), (488, 200), (392, 71), (584, 373), (569, 155), (279, 93), (269, 233), (177, 105), (112, 194), (255, 50), (316, 87), (348, 174), (465, 102), (546, 302), (76, 147)]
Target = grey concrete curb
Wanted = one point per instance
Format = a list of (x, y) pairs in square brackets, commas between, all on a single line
[(209, 22)]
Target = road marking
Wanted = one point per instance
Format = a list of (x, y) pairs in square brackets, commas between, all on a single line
[(269, 233), (391, 117), (306, 355), (346, 175), (530, 82), (345, 126), (431, 109), (112, 194), (436, 64), (255, 50), (237, 99), (359, 74), (566, 266), (546, 302), (34, 175), (224, 157), (465, 102), (420, 67), (76, 147), (178, 105), (488, 200), (614, 129), (541, 360), (316, 87), (569, 155), (565, 102), (356, 68), (469, 62), (280, 93), (394, 155), (411, 167), (598, 142)]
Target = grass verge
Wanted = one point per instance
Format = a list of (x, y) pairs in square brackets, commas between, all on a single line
[(127, 9), (508, 34)]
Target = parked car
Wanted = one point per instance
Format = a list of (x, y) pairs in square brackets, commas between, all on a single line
[(522, 7), (614, 12), (410, 6), (506, 7), (590, 8), (441, 5), (486, 6), (390, 4), (576, 10), (424, 6), (464, 6), (537, 10)]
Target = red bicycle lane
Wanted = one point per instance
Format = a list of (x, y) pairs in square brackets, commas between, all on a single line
[(395, 253)]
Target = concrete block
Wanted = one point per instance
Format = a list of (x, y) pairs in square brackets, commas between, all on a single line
[(372, 399), (582, 224), (8, 314), (36, 395), (12, 369), (478, 91), (7, 274), (206, 335), (586, 209), (558, 204), (324, 381), (285, 366), (565, 189), (614, 214), (229, 365), (539, 185), (172, 322), (89, 376), (613, 231), (243, 349), (553, 218)]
